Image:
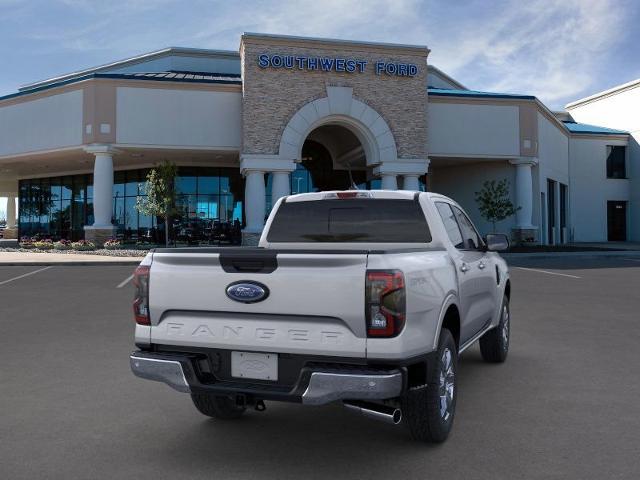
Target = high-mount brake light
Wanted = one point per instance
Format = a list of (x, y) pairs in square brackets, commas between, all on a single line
[(385, 303), (141, 299), (346, 195)]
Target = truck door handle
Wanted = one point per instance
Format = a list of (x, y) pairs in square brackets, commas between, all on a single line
[(481, 266), (464, 268)]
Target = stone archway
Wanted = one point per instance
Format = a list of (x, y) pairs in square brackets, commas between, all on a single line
[(340, 108)]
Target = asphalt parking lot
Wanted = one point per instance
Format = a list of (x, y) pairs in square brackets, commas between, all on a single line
[(566, 404)]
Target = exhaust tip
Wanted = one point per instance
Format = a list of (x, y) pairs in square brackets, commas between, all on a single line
[(397, 416), (384, 413)]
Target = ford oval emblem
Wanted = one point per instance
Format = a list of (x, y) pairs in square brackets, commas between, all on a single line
[(247, 291)]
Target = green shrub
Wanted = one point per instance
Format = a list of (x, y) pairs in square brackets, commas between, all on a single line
[(83, 245)]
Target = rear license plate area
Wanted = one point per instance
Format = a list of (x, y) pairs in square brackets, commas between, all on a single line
[(256, 366)]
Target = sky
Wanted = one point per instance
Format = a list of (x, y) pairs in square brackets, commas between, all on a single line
[(557, 50)]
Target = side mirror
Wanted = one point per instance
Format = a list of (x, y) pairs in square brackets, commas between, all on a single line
[(497, 242)]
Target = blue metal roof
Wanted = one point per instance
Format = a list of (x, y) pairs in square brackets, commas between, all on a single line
[(575, 127), (175, 75), (444, 92), (188, 77)]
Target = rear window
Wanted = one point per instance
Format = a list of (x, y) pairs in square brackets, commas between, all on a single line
[(350, 220)]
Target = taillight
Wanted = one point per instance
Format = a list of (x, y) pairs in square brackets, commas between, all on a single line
[(385, 303), (141, 299)]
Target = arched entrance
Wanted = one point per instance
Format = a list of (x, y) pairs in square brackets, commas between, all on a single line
[(328, 144), (332, 158)]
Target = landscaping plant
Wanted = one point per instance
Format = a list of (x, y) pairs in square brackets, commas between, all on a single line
[(160, 199), (494, 203), (83, 245), (112, 244)]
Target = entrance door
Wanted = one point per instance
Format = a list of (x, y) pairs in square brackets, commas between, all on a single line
[(617, 221), (563, 213), (543, 219), (551, 211)]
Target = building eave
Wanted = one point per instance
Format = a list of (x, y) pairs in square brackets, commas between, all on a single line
[(115, 76), (447, 77), (603, 94), (145, 57)]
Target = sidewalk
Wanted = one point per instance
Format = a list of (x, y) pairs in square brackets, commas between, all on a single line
[(32, 258), (592, 253)]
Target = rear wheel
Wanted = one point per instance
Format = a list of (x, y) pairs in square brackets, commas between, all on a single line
[(428, 411), (220, 407), (494, 345)]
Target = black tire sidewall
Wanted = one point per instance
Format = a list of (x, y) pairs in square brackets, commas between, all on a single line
[(421, 407)]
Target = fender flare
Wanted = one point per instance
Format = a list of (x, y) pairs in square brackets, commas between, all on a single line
[(450, 299)]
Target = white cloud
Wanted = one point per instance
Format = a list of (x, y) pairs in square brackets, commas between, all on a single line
[(557, 50), (550, 49)]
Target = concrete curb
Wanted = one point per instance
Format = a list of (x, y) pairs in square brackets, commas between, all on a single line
[(80, 263), (593, 254)]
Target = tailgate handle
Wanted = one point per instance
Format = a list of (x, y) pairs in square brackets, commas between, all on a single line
[(248, 263)]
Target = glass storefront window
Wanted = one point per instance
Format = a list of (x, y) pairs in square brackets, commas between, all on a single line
[(210, 206)]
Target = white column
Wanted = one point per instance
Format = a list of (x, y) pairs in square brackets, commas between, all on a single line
[(411, 182), (524, 192), (103, 190), (254, 199), (389, 181), (279, 186), (11, 211)]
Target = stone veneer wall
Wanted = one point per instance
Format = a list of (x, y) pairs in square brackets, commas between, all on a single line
[(271, 96)]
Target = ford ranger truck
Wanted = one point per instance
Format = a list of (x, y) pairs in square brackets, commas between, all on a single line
[(360, 297)]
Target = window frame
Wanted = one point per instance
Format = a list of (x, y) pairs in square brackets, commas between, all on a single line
[(481, 244), (625, 172), (454, 219)]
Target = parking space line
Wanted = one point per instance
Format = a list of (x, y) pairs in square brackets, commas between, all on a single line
[(125, 281), (548, 272), (25, 275)]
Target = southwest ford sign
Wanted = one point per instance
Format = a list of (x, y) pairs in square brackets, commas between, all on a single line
[(331, 64)]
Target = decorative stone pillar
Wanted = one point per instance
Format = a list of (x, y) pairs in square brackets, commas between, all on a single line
[(102, 228), (253, 167), (411, 182), (254, 206), (389, 181), (524, 231), (280, 186), (409, 169)]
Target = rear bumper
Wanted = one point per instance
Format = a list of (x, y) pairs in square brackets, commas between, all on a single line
[(315, 385)]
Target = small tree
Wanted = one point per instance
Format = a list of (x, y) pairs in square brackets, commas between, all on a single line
[(160, 193), (494, 203)]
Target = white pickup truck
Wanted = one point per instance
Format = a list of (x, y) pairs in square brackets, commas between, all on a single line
[(363, 297)]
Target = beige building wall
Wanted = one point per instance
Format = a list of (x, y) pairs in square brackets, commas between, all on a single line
[(462, 129), (42, 123)]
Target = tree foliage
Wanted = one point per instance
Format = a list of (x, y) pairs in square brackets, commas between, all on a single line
[(160, 199), (494, 202)]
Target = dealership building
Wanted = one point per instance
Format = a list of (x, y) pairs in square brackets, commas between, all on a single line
[(288, 115)]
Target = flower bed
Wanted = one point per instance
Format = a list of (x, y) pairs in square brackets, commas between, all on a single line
[(43, 244), (83, 245), (62, 245), (113, 244)]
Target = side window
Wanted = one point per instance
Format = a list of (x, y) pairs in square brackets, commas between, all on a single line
[(471, 238), (450, 224)]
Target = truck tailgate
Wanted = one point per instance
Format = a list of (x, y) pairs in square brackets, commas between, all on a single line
[(315, 304)]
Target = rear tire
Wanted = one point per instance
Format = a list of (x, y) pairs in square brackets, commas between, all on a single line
[(220, 407), (428, 411), (494, 345)]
